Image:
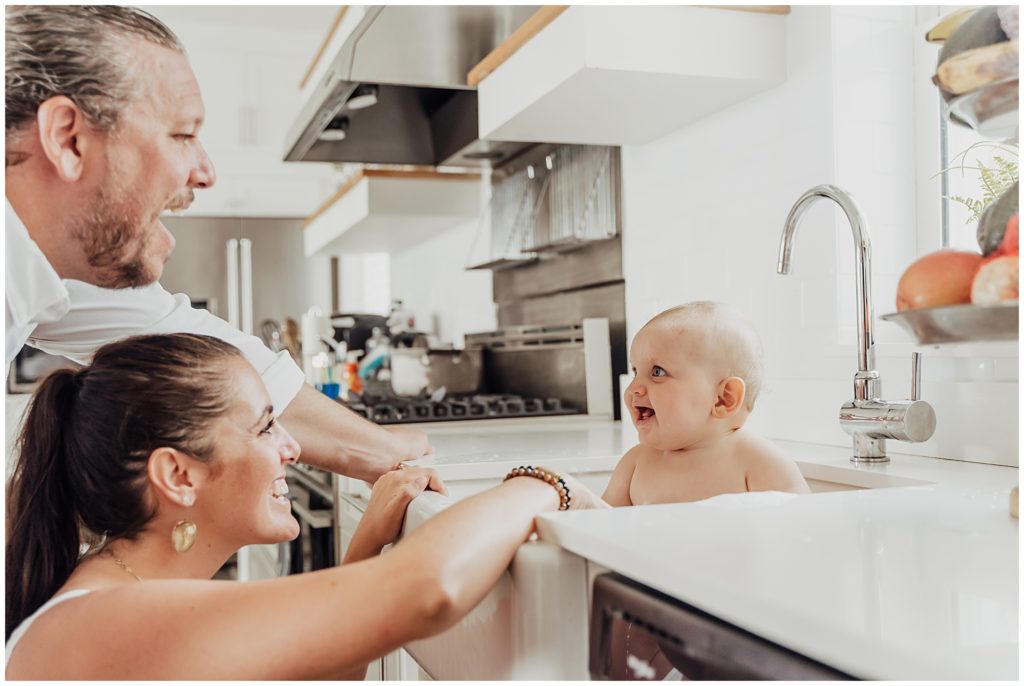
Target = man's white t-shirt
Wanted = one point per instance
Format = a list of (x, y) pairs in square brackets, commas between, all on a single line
[(74, 319)]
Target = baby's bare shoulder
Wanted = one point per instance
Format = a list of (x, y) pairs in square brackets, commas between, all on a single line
[(768, 467)]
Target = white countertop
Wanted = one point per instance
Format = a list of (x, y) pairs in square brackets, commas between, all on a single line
[(483, 449), (914, 578)]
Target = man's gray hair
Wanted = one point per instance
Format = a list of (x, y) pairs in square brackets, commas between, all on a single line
[(79, 51)]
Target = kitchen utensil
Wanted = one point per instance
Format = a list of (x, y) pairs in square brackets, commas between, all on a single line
[(418, 370), (355, 329), (270, 334), (290, 338)]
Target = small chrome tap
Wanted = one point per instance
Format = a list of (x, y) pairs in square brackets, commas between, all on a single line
[(868, 418)]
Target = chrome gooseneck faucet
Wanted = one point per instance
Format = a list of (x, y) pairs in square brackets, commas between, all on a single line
[(868, 418)]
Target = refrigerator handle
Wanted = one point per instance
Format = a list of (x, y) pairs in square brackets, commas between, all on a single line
[(245, 249), (233, 315)]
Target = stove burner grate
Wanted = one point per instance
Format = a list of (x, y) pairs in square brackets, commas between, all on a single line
[(412, 410)]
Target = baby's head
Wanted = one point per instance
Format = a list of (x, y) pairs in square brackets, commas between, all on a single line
[(696, 373)]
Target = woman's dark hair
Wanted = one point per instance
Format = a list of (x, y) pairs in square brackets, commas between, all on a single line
[(81, 472)]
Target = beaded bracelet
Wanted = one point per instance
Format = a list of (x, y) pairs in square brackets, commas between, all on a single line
[(564, 499)]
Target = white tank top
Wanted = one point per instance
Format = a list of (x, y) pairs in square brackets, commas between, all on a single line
[(27, 622)]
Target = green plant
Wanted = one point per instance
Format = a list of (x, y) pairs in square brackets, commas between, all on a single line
[(995, 177)]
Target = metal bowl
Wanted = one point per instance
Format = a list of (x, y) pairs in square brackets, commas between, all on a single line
[(960, 323), (990, 110)]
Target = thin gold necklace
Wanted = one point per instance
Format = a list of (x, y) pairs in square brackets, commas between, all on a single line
[(123, 565)]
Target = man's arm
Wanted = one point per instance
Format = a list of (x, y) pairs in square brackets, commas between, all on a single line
[(331, 436), (335, 438)]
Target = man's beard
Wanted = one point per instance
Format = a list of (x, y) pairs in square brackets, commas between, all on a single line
[(115, 238)]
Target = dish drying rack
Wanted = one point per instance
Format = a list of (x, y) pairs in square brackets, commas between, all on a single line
[(556, 199)]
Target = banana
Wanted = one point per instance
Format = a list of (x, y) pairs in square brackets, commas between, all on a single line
[(948, 24)]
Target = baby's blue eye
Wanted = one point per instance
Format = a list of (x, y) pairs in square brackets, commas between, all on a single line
[(657, 371)]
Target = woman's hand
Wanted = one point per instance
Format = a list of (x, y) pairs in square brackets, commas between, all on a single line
[(382, 522), (582, 497)]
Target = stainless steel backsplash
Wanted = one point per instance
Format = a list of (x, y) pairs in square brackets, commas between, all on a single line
[(565, 289)]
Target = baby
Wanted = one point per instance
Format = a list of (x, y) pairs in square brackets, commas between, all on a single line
[(696, 375)]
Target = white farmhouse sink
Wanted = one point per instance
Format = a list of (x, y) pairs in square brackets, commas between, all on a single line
[(534, 622)]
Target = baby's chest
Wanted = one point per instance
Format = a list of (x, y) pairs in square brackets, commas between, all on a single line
[(678, 483)]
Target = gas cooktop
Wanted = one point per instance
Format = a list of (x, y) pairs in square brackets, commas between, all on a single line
[(394, 410)]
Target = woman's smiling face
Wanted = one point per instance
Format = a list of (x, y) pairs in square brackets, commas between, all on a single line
[(244, 500), (673, 390)]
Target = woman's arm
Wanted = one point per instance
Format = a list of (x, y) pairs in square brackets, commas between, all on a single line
[(299, 627)]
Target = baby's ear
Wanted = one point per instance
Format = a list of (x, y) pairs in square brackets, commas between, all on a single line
[(731, 395)]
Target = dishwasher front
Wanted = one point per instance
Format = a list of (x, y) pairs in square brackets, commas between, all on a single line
[(637, 633)]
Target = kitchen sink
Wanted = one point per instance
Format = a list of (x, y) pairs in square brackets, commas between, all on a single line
[(821, 478), (533, 623)]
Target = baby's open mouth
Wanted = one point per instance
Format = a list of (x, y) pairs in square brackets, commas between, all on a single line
[(643, 413)]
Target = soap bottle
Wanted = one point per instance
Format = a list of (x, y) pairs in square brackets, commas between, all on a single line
[(353, 384)]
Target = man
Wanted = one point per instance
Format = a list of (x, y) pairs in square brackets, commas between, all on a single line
[(103, 114)]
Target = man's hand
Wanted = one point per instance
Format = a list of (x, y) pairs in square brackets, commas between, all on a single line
[(336, 439), (410, 444)]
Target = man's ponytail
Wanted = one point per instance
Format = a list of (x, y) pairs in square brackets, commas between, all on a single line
[(42, 525)]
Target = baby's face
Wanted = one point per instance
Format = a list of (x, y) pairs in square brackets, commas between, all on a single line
[(674, 388)]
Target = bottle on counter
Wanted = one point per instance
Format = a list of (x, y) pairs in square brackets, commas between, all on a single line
[(353, 384), (377, 358), (326, 382)]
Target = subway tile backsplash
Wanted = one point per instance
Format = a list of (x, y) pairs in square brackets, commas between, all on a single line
[(703, 210)]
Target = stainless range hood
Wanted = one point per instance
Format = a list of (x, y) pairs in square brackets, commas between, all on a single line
[(414, 59)]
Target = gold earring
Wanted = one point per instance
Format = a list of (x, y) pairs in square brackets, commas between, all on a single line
[(183, 535)]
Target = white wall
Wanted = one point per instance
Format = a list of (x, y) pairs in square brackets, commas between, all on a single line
[(703, 210), (431, 280)]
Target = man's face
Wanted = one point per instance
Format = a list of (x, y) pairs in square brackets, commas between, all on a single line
[(153, 161)]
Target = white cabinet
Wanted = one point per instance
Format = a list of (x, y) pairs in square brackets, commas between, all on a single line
[(249, 78), (385, 210), (608, 75)]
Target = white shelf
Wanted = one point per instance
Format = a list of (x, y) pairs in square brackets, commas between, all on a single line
[(390, 211), (606, 75)]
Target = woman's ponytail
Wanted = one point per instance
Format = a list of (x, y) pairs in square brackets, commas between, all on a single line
[(81, 475), (42, 525)]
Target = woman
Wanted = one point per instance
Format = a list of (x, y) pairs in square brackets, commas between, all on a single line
[(161, 459)]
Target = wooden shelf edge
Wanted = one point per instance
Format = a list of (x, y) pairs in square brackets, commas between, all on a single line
[(759, 9), (545, 15), (323, 46), (388, 174), (529, 28)]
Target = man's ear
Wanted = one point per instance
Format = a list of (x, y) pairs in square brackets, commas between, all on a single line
[(730, 397), (175, 475), (61, 128)]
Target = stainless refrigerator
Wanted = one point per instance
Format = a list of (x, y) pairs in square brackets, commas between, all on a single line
[(244, 270)]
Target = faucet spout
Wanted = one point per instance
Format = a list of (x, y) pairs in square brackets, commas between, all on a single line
[(862, 263), (867, 418)]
